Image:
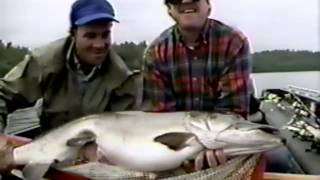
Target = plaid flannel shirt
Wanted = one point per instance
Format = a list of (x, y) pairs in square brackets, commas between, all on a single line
[(212, 76)]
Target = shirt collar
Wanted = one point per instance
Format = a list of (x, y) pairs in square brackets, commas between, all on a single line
[(74, 64), (203, 35)]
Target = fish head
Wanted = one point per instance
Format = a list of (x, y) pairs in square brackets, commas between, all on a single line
[(212, 121), (231, 131), (246, 137)]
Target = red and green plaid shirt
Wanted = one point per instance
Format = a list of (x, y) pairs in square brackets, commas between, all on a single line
[(212, 76)]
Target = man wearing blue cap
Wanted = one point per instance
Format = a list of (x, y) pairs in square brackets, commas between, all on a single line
[(75, 76)]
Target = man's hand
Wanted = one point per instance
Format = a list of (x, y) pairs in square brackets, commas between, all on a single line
[(6, 155), (212, 157), (88, 153)]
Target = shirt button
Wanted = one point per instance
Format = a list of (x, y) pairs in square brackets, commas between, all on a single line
[(196, 99), (194, 79), (195, 58)]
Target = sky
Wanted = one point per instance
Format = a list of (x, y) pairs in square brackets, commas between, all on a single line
[(269, 24)]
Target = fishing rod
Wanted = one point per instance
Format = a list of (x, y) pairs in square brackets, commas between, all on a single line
[(298, 125), (305, 111)]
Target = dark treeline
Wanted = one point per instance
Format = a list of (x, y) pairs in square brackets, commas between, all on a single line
[(265, 61), (132, 53), (286, 61), (10, 56)]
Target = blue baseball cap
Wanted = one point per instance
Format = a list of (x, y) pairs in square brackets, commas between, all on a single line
[(86, 11)]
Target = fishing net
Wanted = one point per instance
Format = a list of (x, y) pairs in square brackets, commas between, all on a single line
[(237, 168)]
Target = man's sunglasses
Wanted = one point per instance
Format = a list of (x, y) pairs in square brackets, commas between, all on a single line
[(176, 2)]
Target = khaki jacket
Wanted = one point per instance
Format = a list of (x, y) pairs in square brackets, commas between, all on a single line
[(45, 74)]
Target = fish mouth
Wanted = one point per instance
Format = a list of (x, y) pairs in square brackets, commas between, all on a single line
[(269, 129), (264, 128), (235, 151)]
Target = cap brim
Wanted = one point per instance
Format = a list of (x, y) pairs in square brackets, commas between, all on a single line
[(94, 17)]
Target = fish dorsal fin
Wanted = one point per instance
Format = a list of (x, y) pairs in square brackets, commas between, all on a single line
[(35, 171), (174, 140), (82, 139)]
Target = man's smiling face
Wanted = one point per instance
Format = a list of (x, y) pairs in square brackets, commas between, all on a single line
[(189, 14)]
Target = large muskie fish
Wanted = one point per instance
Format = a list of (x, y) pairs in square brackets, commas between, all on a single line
[(145, 142)]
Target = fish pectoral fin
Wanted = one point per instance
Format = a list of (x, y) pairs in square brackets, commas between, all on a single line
[(174, 140), (35, 171), (82, 139)]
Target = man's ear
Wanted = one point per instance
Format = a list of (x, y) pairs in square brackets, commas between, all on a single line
[(210, 7), (72, 38), (72, 32)]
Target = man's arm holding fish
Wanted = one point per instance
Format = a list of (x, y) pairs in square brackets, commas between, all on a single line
[(87, 153), (158, 97), (237, 90), (19, 88), (6, 155), (235, 84)]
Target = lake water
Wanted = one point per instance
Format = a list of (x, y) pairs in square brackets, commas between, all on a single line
[(310, 79)]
